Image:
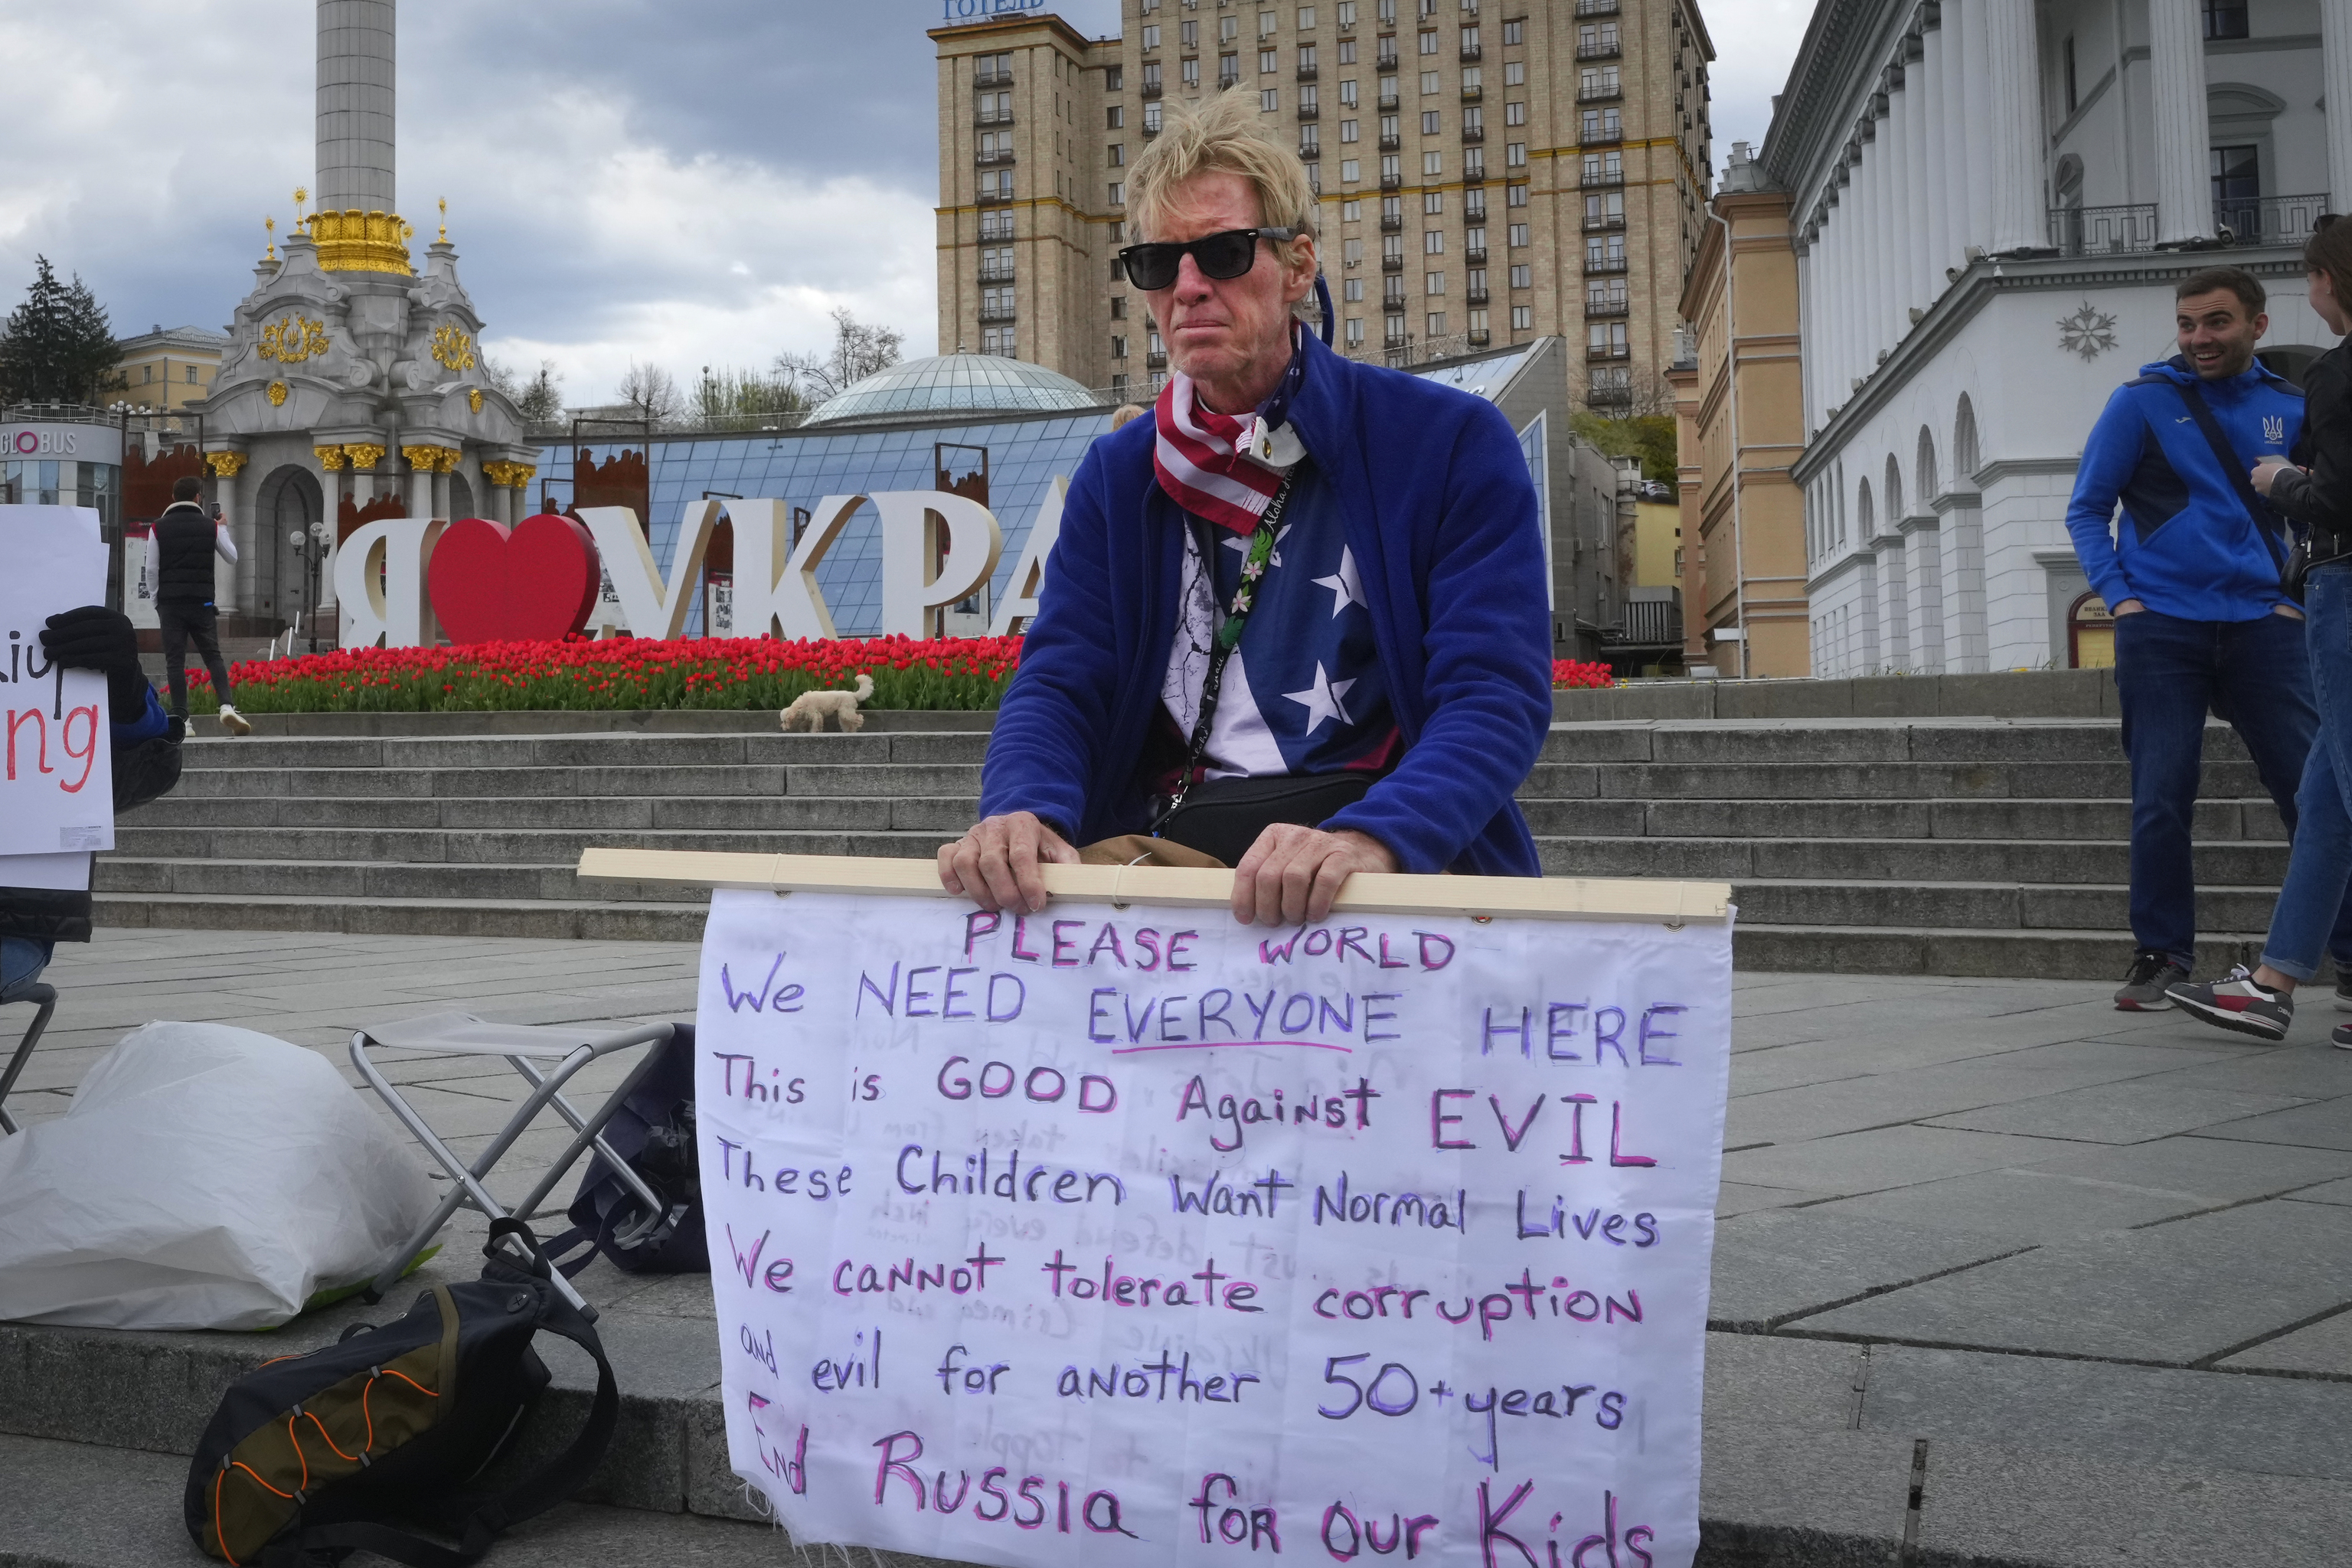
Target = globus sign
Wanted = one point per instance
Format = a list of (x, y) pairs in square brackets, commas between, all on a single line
[(83, 443), (405, 581)]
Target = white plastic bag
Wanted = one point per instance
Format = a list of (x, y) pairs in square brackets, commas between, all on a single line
[(206, 1177)]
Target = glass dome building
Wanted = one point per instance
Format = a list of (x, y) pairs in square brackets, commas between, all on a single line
[(952, 385)]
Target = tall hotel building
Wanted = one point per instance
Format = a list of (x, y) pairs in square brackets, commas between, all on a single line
[(1490, 171)]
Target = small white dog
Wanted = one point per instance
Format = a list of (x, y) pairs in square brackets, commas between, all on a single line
[(809, 709)]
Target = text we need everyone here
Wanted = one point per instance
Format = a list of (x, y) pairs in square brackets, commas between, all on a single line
[(1136, 1234)]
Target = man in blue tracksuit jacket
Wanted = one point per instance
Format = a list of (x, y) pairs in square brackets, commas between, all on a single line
[(2201, 620)]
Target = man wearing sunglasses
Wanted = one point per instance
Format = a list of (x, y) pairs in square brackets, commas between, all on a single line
[(1296, 620)]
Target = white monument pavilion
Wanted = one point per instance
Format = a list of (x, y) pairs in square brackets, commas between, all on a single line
[(353, 371)]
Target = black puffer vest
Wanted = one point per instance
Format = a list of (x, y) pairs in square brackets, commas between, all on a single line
[(183, 552)]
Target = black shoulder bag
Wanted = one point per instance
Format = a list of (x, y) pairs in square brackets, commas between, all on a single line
[(1223, 817), (2293, 559)]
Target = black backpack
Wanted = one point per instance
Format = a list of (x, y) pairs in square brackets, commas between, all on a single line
[(314, 1452), (653, 1132)]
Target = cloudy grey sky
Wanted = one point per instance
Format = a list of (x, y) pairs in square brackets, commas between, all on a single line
[(686, 183)]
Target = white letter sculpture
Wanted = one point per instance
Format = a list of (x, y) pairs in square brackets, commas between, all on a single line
[(379, 580), (972, 544), (1028, 584), (652, 607)]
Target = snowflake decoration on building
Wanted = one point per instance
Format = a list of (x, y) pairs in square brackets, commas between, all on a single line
[(2087, 332)]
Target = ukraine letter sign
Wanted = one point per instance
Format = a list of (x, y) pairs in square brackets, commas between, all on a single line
[(1126, 1234)]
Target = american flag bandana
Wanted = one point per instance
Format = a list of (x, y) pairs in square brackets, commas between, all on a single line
[(1212, 464)]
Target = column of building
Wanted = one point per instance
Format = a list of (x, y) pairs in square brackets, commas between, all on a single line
[(2012, 134), (2336, 64), (1919, 194), (2176, 71), (1946, 154)]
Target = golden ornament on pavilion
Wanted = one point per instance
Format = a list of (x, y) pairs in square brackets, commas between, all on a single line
[(293, 339), (277, 393), (453, 348)]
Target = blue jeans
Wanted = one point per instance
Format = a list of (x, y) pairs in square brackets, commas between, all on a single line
[(22, 958), (2168, 673), (2320, 868)]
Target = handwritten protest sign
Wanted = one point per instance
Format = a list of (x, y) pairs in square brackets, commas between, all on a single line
[(56, 772), (1125, 1234)]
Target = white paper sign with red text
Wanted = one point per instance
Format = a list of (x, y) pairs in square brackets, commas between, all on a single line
[(56, 772), (1136, 1236)]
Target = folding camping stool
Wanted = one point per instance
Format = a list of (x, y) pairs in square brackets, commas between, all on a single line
[(547, 1056), (44, 997)]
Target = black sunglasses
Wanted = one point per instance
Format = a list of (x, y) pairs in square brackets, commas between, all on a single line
[(1228, 253)]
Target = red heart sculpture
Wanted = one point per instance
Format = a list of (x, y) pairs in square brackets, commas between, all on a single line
[(535, 583)]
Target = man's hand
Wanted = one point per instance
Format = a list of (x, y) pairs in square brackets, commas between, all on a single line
[(2129, 607), (996, 864), (2267, 472), (95, 637), (1291, 874)]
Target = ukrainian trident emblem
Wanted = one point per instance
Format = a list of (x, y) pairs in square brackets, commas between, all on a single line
[(2274, 429)]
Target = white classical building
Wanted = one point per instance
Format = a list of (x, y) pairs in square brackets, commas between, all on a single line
[(1992, 200)]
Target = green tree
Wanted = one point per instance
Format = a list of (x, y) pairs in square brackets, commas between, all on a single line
[(542, 402), (59, 346), (1649, 437)]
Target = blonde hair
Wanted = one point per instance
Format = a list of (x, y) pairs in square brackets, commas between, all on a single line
[(1123, 413), (1225, 135)]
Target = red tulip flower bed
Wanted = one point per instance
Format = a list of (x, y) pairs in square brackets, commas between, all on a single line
[(1573, 672), (628, 673), (962, 673)]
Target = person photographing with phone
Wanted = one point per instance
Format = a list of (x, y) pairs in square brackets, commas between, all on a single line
[(180, 553), (2315, 491), (1295, 622)]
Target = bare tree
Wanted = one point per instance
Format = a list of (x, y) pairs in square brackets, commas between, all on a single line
[(651, 395), (858, 351)]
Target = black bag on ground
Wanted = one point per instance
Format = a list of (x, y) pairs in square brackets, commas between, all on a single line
[(314, 1454), (654, 1132)]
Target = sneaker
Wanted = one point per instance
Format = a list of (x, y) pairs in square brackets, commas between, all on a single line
[(2340, 1036), (235, 723), (2144, 988), (2343, 992), (2234, 1002)]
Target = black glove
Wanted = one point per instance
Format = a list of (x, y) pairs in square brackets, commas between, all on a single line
[(95, 637)]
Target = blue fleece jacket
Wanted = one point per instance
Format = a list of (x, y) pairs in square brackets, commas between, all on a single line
[(2186, 546), (1441, 518)]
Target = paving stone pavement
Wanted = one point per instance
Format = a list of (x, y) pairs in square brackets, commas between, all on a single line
[(2003, 1277)]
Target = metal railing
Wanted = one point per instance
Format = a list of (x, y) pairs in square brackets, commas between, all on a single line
[(1601, 308), (993, 198), (1595, 268), (992, 117), (1595, 223), (1605, 180), (1391, 143), (2270, 220), (997, 314), (2099, 231), (991, 78), (1391, 226), (1479, 295), (1472, 54), (996, 274), (1310, 111), (1309, 73), (1474, 133), (1599, 51), (1391, 181), (1603, 136), (1596, 7), (987, 158), (1471, 94), (1157, 360), (1473, 258), (1607, 351), (1601, 94), (1391, 263), (1648, 623), (1151, 89), (1479, 337)]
